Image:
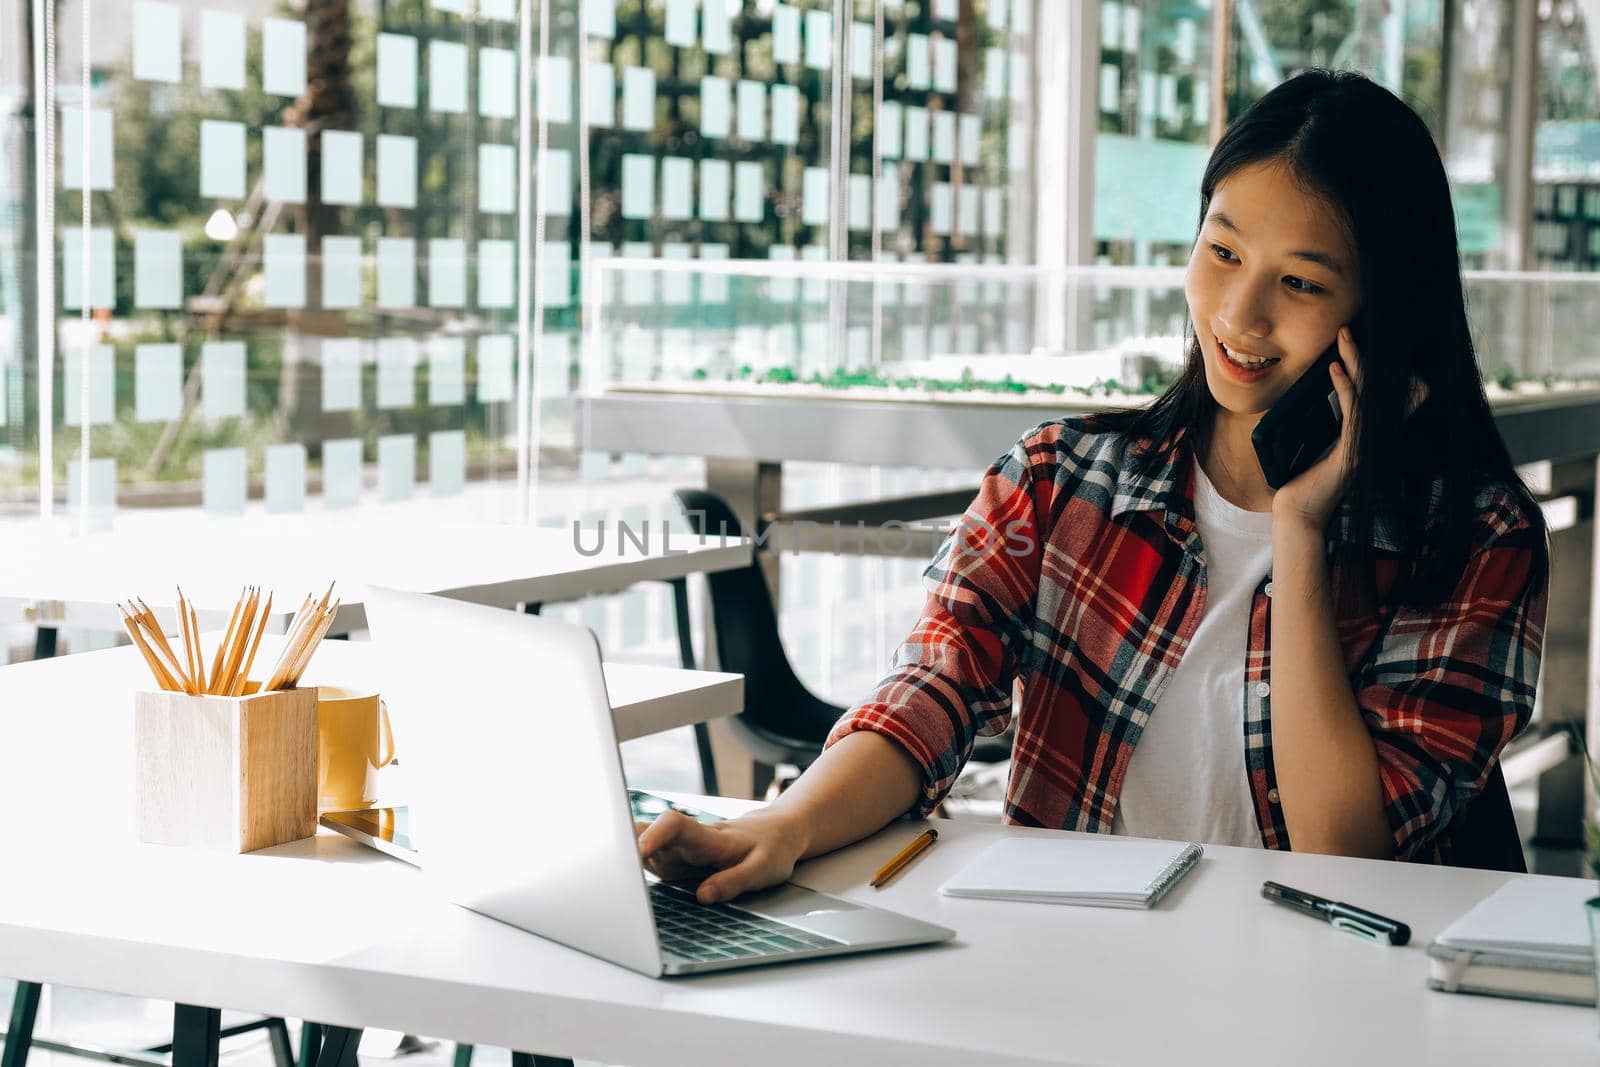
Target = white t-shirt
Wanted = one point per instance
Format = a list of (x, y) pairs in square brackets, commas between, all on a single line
[(1186, 780)]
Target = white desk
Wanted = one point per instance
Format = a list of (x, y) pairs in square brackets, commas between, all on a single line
[(325, 930), (53, 579)]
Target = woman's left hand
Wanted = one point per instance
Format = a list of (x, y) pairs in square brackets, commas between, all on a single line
[(1310, 497)]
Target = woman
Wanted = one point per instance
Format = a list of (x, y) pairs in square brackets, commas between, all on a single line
[(1331, 667)]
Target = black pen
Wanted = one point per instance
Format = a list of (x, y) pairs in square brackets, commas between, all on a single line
[(1344, 917)]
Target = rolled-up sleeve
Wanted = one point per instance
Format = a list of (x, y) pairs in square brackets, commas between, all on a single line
[(951, 679), (1449, 686)]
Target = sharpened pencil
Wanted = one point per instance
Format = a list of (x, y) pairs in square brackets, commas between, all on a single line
[(312, 645), (302, 618), (235, 645), (221, 658), (158, 637), (905, 856), (163, 679), (250, 655), (145, 622), (191, 661), (199, 653)]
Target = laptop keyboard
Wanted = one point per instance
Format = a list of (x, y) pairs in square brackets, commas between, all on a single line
[(698, 931)]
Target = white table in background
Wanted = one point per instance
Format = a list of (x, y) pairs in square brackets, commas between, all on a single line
[(93, 688), (66, 581), (56, 581), (326, 930)]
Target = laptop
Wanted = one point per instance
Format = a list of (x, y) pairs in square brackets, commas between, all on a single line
[(388, 829), (519, 794)]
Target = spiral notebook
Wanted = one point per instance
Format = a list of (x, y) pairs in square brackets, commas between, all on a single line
[(1109, 872)]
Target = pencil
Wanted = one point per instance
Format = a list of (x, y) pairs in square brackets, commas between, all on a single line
[(189, 658), (303, 652), (163, 679), (221, 657), (250, 656), (236, 643), (159, 644), (199, 653), (905, 856), (317, 633), (162, 650), (158, 638), (291, 640)]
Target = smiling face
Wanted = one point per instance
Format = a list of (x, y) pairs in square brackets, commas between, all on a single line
[(1272, 278)]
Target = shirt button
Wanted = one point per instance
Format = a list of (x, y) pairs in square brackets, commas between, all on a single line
[(1269, 589), (1262, 689), (1272, 795)]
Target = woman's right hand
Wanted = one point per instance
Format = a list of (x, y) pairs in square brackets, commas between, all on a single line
[(744, 854)]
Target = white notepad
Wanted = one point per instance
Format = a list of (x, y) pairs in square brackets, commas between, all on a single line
[(1541, 918), (1110, 872)]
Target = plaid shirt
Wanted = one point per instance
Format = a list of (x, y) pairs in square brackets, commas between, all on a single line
[(1084, 580)]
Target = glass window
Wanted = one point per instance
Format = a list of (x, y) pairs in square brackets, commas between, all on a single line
[(18, 323), (280, 309), (334, 192), (1157, 82), (1566, 164), (949, 127), (1476, 138), (1155, 91)]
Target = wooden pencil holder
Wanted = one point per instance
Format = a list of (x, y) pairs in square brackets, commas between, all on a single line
[(232, 774)]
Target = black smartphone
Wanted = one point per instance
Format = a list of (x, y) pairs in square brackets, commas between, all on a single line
[(647, 807), (1303, 424)]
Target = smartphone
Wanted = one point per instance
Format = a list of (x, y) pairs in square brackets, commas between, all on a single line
[(1302, 425), (647, 807)]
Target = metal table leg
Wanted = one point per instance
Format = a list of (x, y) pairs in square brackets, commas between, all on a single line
[(702, 735), (533, 1059), (1566, 688), (282, 1050), (19, 1034), (339, 1044), (277, 1033), (310, 1043), (195, 1035), (755, 492)]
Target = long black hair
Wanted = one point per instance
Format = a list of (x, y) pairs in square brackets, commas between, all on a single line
[(1357, 147)]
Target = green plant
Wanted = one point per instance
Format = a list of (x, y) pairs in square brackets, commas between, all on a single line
[(1591, 830)]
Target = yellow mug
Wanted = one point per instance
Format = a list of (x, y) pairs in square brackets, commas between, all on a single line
[(354, 742)]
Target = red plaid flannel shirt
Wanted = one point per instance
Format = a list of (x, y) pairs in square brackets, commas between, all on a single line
[(1083, 579)]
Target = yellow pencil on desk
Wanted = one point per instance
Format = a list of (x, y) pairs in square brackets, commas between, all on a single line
[(905, 856)]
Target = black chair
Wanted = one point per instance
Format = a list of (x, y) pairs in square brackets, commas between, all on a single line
[(1484, 835), (783, 721)]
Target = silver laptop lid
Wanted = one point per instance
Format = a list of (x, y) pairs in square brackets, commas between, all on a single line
[(518, 784)]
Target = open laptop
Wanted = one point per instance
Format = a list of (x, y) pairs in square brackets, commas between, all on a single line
[(388, 829), (519, 794)]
